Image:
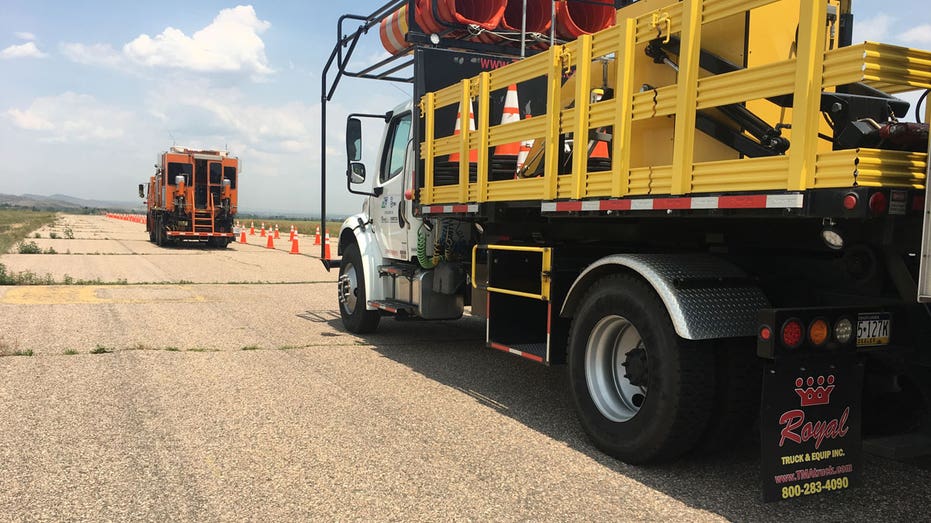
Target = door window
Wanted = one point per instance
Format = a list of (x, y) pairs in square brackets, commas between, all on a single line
[(400, 134)]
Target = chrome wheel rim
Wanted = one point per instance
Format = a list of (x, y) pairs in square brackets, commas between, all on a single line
[(613, 342), (348, 287)]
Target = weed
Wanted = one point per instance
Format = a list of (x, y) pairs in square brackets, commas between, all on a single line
[(201, 349), (172, 349), (27, 352), (38, 235), (251, 347), (68, 280), (140, 346), (50, 250), (53, 235), (100, 349), (16, 224), (25, 247), (69, 233), (70, 352)]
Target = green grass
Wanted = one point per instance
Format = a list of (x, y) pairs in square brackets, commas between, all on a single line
[(27, 352), (251, 347), (17, 224), (100, 349), (172, 349), (70, 352)]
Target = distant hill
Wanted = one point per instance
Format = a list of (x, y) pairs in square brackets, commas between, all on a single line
[(62, 202)]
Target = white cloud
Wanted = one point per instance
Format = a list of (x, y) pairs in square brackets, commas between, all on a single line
[(24, 35), (873, 29), (71, 118), (231, 43), (27, 50), (918, 35), (93, 54)]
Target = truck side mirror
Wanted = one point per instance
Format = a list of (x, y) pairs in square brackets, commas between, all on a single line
[(356, 172), (354, 139), (142, 190)]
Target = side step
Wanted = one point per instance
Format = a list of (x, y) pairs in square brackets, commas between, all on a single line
[(394, 307)]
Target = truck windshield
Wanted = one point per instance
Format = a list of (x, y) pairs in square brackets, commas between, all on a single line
[(176, 169), (400, 135)]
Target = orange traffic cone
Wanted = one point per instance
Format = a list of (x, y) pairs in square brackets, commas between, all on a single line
[(262, 232), (525, 147), (511, 114), (326, 248), (317, 236), (271, 242), (251, 228), (599, 149), (294, 249), (242, 236), (473, 154), (277, 236), (291, 238)]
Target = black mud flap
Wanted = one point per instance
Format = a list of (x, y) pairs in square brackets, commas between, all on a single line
[(810, 425)]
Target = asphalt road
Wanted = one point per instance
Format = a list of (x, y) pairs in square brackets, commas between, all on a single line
[(229, 391)]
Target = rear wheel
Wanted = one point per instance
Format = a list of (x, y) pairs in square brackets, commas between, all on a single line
[(351, 293), (641, 393)]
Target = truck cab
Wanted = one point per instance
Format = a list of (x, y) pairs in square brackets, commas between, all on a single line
[(387, 264)]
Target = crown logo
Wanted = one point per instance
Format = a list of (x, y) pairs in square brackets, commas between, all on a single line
[(812, 396)]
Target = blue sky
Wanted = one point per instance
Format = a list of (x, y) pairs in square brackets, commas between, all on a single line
[(93, 90)]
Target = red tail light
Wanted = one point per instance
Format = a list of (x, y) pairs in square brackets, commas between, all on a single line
[(879, 203), (792, 333), (851, 201)]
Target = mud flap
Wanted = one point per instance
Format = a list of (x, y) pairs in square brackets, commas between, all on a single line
[(810, 424)]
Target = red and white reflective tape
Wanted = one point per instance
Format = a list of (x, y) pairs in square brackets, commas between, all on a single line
[(745, 201), (182, 233), (522, 354), (450, 209)]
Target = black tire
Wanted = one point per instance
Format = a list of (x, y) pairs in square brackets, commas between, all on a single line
[(159, 232), (675, 376), (738, 386), (351, 294)]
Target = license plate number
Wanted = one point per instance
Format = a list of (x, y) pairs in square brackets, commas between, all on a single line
[(873, 329)]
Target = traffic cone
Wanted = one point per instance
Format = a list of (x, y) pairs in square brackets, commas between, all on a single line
[(251, 228), (277, 236), (326, 248), (317, 236), (598, 150), (511, 114), (262, 232), (271, 242), (473, 154), (242, 236), (294, 249), (525, 147), (291, 238)]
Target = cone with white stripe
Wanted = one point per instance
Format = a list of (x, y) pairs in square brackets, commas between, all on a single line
[(511, 114), (473, 154), (525, 147)]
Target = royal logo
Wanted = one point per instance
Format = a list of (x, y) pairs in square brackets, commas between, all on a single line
[(813, 396)]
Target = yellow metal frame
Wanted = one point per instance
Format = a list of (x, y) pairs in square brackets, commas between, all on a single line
[(546, 267), (889, 68)]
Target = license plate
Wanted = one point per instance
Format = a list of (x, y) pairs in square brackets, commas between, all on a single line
[(873, 329)]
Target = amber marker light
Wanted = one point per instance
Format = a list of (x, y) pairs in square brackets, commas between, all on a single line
[(818, 332)]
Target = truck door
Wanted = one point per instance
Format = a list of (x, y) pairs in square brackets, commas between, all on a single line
[(388, 209)]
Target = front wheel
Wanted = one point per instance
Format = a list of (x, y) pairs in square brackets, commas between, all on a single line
[(351, 294), (641, 393)]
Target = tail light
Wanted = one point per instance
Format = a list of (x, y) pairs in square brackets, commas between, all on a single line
[(879, 203), (818, 332), (792, 333)]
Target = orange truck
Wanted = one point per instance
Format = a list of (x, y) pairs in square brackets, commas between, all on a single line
[(192, 196)]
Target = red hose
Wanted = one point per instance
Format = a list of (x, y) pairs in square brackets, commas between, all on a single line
[(573, 19), (538, 16), (483, 13)]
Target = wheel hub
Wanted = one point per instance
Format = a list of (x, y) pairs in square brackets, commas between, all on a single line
[(347, 288), (616, 368)]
